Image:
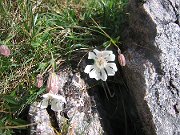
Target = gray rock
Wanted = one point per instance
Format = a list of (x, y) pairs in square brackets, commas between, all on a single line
[(41, 118), (153, 64), (76, 116)]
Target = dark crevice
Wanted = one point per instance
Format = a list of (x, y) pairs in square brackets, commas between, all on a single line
[(118, 113), (177, 21), (157, 97), (175, 11), (173, 86), (176, 109), (53, 120)]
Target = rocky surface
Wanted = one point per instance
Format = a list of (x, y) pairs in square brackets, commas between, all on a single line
[(41, 117), (76, 118), (90, 109), (152, 74), (153, 64)]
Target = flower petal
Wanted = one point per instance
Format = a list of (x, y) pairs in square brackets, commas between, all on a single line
[(94, 73), (92, 55), (88, 68), (103, 75), (112, 66), (56, 105), (105, 53), (44, 103), (110, 71), (59, 98), (47, 95), (96, 52), (109, 57)]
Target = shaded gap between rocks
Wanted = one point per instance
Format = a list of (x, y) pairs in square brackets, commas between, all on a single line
[(118, 114)]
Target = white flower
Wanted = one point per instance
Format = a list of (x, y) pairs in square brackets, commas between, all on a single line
[(56, 101), (101, 67)]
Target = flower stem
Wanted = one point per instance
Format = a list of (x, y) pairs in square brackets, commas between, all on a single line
[(104, 90), (111, 95), (107, 88), (52, 62)]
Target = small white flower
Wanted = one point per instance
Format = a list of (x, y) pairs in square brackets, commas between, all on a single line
[(101, 67), (56, 101)]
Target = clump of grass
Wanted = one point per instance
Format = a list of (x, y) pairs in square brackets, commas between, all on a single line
[(43, 32)]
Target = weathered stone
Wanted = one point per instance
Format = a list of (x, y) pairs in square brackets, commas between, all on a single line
[(41, 118), (153, 64), (82, 119), (76, 117)]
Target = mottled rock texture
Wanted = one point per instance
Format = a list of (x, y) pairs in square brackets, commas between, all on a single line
[(77, 116), (153, 64), (90, 109)]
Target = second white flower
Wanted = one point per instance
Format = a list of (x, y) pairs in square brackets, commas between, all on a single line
[(103, 65)]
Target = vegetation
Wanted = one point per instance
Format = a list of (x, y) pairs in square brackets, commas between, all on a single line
[(43, 34)]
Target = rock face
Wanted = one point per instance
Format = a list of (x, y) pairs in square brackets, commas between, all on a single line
[(77, 116), (41, 117), (91, 108), (152, 75), (153, 64)]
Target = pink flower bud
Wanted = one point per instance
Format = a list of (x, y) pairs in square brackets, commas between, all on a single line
[(122, 60), (4, 50), (39, 80), (53, 83)]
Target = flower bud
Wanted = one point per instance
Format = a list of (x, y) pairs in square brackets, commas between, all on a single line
[(122, 60), (53, 83), (4, 50), (39, 81)]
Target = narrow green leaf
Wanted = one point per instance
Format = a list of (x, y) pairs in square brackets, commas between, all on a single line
[(10, 99)]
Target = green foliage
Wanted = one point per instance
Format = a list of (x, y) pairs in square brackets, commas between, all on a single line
[(40, 33)]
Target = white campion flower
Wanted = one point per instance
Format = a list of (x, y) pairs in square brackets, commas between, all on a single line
[(103, 65), (56, 101)]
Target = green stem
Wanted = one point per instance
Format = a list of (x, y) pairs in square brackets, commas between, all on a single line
[(104, 90), (52, 62)]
